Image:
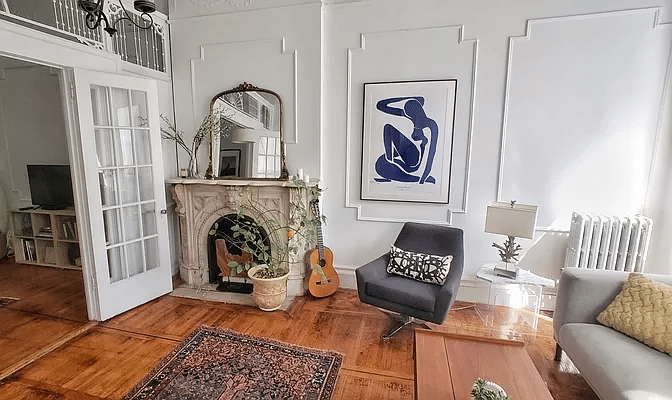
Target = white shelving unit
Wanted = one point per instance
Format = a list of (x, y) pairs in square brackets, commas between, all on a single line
[(48, 238)]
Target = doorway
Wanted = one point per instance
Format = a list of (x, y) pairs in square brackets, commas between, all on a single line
[(111, 130), (33, 132)]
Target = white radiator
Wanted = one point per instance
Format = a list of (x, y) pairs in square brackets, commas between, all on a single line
[(608, 242)]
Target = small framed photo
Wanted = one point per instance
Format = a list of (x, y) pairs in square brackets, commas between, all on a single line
[(229, 163), (408, 140)]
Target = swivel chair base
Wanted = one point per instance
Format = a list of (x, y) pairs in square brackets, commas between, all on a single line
[(398, 322)]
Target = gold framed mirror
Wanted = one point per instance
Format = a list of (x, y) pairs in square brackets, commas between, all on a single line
[(247, 139)]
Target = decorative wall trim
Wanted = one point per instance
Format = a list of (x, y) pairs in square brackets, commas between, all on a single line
[(659, 123), (239, 3), (195, 103), (439, 211), (295, 95), (204, 3), (528, 29), (233, 3)]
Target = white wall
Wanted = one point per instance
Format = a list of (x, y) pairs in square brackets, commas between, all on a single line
[(560, 104), (27, 90), (523, 88)]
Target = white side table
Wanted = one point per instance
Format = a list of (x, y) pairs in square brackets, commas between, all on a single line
[(524, 291)]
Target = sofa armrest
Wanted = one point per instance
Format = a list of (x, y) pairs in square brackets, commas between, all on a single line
[(584, 293)]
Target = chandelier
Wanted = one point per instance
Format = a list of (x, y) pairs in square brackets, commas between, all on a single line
[(95, 15)]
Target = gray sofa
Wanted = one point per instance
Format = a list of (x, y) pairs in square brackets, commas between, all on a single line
[(614, 365)]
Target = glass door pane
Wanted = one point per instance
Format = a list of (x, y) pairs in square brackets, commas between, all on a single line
[(123, 147)]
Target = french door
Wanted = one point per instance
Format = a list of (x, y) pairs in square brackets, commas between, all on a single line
[(123, 192)]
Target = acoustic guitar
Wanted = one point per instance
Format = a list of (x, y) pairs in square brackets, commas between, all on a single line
[(323, 279)]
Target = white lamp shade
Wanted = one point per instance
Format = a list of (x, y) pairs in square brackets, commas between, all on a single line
[(518, 220), (242, 135)]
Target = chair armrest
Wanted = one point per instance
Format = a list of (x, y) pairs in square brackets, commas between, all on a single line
[(449, 290), (373, 270)]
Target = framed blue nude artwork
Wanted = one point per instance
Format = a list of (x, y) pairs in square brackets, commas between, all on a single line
[(408, 140)]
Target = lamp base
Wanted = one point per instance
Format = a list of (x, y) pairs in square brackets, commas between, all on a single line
[(506, 273)]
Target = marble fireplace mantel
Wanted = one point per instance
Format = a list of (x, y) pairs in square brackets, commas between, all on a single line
[(200, 203)]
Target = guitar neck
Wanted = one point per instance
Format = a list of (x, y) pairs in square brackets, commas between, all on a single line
[(320, 242)]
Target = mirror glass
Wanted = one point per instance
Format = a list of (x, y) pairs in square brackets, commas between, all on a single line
[(247, 141)]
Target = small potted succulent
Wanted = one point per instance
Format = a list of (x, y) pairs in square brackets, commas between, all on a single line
[(486, 390)]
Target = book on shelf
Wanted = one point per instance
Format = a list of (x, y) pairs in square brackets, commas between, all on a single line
[(45, 233), (29, 251), (70, 229)]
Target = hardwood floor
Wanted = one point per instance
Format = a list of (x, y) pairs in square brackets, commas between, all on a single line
[(49, 350)]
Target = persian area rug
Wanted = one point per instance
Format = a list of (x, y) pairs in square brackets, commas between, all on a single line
[(218, 364), (5, 301)]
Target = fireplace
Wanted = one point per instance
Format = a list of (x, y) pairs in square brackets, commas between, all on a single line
[(225, 247), (202, 203)]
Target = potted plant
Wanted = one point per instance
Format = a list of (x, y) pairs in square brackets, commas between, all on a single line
[(486, 390), (273, 240)]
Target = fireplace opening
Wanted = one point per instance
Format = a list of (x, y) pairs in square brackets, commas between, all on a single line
[(223, 248)]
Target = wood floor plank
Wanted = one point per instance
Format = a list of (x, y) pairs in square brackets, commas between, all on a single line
[(106, 361), (30, 390), (355, 385), (48, 291), (23, 333), (103, 362)]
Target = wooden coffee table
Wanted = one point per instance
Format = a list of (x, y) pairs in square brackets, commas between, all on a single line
[(446, 366)]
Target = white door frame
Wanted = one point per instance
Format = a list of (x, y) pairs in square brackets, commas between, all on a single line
[(79, 189), (32, 46)]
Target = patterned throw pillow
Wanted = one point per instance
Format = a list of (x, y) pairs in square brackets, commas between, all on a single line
[(421, 267), (642, 310)]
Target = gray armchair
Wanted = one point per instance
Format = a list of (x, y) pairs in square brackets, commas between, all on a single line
[(409, 298)]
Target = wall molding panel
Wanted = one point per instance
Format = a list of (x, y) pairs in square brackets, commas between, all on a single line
[(268, 58), (179, 9), (445, 54), (595, 152)]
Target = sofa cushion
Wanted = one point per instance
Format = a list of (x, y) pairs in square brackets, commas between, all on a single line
[(418, 295), (642, 310), (615, 365), (419, 266)]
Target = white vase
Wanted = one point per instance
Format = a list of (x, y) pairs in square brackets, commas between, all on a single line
[(192, 168)]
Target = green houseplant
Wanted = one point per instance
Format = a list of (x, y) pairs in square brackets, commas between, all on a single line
[(273, 239), (486, 390)]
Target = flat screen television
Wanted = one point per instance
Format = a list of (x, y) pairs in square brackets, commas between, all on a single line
[(50, 186)]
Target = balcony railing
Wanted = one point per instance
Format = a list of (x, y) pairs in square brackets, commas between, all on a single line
[(144, 47)]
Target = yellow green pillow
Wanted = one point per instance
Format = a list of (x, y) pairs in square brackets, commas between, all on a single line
[(643, 311)]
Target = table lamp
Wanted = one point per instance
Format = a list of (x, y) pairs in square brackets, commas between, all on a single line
[(513, 220)]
